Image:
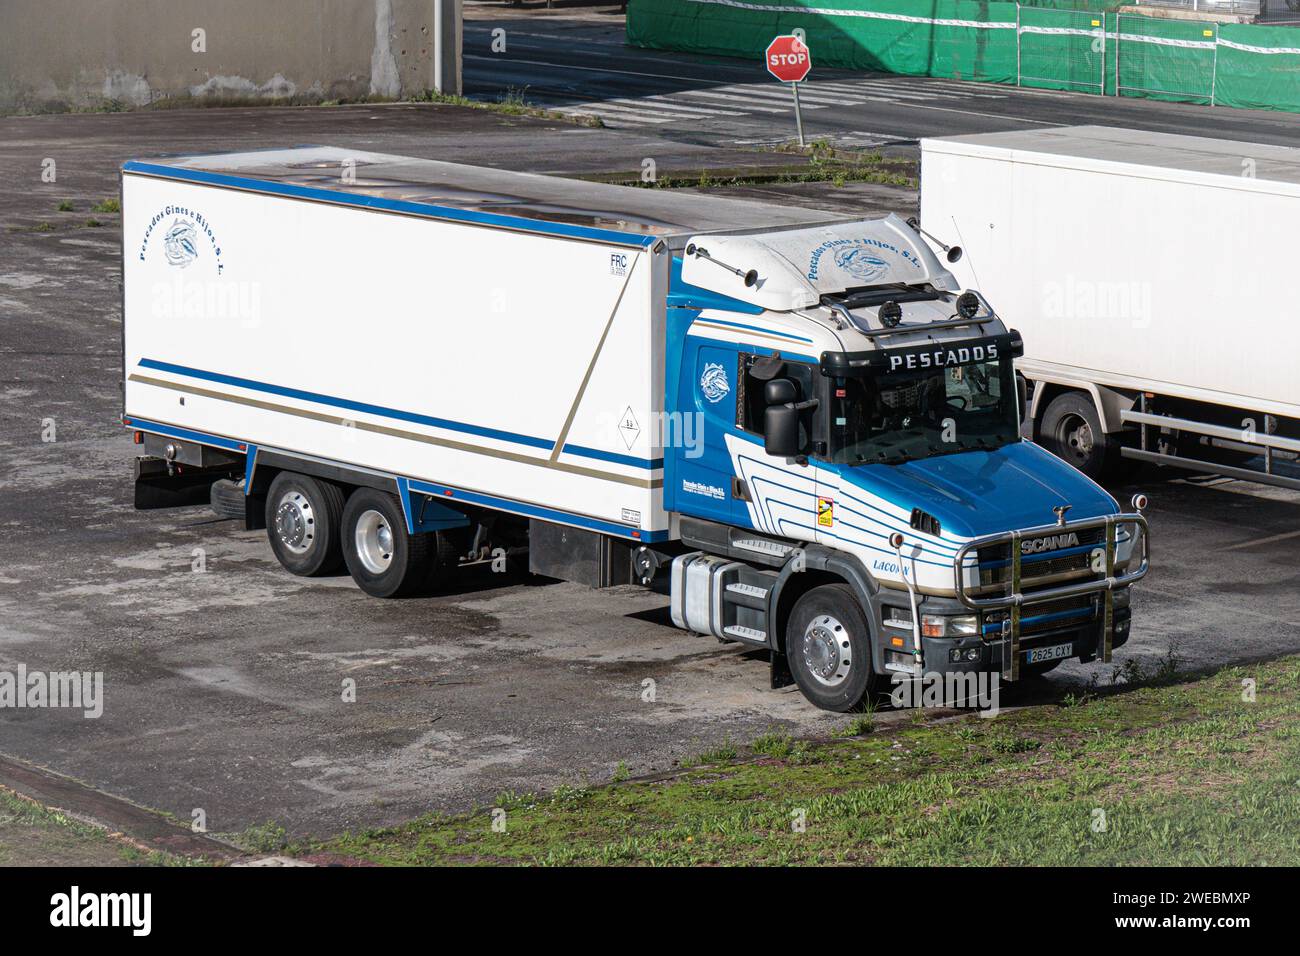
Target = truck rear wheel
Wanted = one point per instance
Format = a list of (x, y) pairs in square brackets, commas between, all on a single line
[(383, 558), (1071, 430), (828, 647), (302, 523)]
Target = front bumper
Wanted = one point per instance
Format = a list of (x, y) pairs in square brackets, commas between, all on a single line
[(990, 650), (1016, 605)]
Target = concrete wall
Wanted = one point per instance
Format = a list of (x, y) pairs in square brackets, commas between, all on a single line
[(64, 54)]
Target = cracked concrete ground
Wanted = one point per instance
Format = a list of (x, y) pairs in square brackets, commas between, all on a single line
[(224, 687)]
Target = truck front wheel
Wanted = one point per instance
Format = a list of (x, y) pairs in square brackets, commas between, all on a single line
[(302, 523), (383, 558), (828, 647), (1071, 430)]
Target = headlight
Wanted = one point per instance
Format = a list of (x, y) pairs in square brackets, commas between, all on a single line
[(942, 625)]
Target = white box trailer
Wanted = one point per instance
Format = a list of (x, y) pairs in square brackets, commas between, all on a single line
[(272, 296), (1149, 276), (406, 366)]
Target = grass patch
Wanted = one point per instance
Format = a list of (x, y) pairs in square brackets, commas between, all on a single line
[(65, 205), (107, 206), (511, 103), (1184, 774), (824, 164), (32, 834)]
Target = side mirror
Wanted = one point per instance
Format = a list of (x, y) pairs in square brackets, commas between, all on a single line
[(781, 430), (779, 391)]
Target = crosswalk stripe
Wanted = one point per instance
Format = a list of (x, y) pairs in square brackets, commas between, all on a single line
[(786, 97), (639, 108), (671, 103), (743, 101), (614, 113)]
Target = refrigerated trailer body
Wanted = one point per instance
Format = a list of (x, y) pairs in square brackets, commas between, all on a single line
[(796, 420), (1148, 273)]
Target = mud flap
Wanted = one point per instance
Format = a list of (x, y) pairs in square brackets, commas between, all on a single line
[(185, 487), (781, 676)]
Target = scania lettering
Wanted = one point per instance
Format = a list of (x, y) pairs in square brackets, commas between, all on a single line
[(800, 426)]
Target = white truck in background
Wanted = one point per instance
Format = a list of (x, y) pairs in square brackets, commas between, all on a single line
[(1150, 276), (805, 428)]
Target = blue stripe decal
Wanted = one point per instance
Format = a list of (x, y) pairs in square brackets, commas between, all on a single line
[(756, 328), (536, 511), (391, 205), (615, 457), (379, 410)]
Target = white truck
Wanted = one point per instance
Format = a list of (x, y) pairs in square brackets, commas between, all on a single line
[(803, 427), (1148, 275)]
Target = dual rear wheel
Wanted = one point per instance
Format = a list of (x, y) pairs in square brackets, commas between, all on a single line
[(314, 527)]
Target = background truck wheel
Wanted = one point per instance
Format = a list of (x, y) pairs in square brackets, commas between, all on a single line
[(302, 523), (828, 646), (1071, 430), (382, 557)]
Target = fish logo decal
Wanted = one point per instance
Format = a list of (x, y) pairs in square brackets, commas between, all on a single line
[(180, 244), (860, 263), (714, 384)]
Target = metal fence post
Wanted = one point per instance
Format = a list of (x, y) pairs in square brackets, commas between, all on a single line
[(1118, 32), (1017, 44), (1101, 70), (1214, 70)]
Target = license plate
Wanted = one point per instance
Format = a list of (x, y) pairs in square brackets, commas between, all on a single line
[(1054, 653)]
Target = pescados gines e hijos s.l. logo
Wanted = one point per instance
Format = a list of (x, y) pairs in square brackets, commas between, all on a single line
[(186, 238), (713, 383)]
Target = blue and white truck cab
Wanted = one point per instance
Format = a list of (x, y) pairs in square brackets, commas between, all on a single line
[(801, 424), (863, 502)]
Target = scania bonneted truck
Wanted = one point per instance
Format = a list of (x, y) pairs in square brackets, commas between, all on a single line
[(800, 425)]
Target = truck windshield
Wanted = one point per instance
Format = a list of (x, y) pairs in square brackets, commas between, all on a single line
[(897, 417)]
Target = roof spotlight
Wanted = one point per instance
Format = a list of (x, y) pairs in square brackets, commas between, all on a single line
[(968, 305), (890, 314)]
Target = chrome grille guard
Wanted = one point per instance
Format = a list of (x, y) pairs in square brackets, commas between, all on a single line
[(1015, 598)]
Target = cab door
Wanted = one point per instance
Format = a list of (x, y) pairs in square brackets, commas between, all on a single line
[(699, 472)]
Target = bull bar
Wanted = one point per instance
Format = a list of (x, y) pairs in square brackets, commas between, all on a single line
[(1015, 599)]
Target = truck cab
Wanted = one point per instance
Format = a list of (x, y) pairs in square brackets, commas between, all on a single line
[(859, 500)]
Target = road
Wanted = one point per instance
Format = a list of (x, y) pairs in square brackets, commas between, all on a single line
[(576, 62)]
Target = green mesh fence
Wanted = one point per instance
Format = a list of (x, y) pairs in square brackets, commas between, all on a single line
[(967, 39), (1165, 59), (1258, 68), (1078, 45), (1062, 49)]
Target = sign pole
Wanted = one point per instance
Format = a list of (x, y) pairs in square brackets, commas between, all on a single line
[(798, 116), (788, 60)]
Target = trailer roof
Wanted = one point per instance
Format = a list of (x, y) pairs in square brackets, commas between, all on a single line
[(1248, 164), (570, 207)]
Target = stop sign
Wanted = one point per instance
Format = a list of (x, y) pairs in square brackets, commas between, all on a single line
[(788, 59)]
